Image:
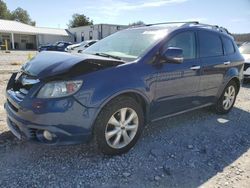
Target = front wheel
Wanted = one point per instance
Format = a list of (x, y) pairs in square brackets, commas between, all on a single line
[(118, 126), (227, 99)]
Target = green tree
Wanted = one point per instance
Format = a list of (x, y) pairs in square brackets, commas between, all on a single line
[(138, 23), (80, 20), (4, 12), (22, 15)]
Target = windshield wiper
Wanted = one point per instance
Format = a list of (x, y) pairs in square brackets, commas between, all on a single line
[(108, 55)]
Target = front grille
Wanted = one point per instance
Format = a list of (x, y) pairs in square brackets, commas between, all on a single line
[(246, 66)]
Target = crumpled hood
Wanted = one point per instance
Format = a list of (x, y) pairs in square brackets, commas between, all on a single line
[(50, 64)]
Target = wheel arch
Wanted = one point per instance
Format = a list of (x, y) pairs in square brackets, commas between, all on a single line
[(137, 95), (237, 81), (234, 78)]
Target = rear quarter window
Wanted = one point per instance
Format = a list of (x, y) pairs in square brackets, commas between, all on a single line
[(210, 44), (228, 46)]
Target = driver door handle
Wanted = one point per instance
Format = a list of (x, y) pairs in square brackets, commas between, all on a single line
[(195, 67)]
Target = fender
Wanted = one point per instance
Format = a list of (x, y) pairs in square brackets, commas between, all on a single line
[(232, 73), (100, 87), (141, 94), (145, 98)]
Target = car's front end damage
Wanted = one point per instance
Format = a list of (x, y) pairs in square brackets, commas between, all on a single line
[(41, 103)]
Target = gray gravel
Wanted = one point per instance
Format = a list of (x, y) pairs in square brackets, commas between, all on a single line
[(195, 149)]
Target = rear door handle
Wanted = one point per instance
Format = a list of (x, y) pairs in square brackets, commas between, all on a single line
[(195, 67), (227, 62)]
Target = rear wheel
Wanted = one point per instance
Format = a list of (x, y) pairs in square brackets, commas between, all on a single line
[(227, 99), (118, 126)]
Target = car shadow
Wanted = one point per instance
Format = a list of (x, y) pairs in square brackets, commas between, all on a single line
[(183, 151)]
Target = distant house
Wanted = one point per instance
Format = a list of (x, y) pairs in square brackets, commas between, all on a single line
[(94, 32), (22, 36)]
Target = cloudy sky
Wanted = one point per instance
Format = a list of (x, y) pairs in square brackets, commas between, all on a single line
[(232, 14)]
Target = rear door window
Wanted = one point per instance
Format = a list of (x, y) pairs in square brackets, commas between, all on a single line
[(210, 44), (228, 46)]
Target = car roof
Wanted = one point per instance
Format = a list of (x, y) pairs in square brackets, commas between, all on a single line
[(193, 25)]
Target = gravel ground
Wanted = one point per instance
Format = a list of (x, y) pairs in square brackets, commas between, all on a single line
[(12, 61), (196, 149)]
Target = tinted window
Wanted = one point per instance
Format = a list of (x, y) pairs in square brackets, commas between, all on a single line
[(228, 45), (210, 44), (185, 41)]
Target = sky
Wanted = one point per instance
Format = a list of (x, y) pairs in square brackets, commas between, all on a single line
[(232, 14)]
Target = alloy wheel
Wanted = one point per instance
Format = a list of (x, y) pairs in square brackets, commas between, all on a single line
[(121, 128), (229, 97)]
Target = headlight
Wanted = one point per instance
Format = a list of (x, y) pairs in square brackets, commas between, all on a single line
[(59, 89)]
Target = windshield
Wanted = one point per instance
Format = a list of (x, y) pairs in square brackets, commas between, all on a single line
[(245, 49), (127, 44)]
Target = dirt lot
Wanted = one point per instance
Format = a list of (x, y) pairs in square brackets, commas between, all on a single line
[(197, 149)]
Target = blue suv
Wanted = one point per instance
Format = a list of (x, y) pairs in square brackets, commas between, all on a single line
[(123, 82)]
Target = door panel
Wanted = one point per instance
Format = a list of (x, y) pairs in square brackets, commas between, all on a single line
[(212, 74), (177, 85), (177, 88), (212, 61)]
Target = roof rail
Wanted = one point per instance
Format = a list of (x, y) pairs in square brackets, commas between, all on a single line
[(164, 23), (189, 23), (214, 27)]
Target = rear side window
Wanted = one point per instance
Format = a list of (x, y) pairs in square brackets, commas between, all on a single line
[(91, 43), (185, 41), (210, 44), (228, 46)]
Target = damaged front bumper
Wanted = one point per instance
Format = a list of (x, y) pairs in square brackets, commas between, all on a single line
[(50, 121)]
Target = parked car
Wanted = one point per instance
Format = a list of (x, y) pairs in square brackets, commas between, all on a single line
[(245, 51), (78, 48), (58, 46), (123, 82)]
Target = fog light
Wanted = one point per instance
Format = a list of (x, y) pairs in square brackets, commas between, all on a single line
[(47, 135)]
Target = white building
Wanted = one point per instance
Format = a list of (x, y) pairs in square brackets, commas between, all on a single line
[(22, 36), (94, 32)]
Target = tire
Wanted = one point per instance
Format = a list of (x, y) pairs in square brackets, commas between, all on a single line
[(108, 123), (220, 106)]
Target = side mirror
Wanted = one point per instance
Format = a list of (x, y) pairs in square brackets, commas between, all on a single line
[(173, 55)]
